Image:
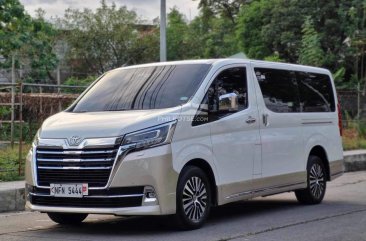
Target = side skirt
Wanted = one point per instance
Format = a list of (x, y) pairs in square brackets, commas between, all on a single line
[(258, 187), (265, 192)]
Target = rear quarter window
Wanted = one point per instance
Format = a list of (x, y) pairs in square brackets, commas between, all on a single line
[(287, 91), (316, 92)]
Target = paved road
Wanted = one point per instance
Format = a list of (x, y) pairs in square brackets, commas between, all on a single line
[(342, 216)]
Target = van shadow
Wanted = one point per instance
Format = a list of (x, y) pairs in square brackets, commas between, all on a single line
[(158, 225)]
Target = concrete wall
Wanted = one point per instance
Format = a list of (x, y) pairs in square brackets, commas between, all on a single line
[(12, 200), (355, 160)]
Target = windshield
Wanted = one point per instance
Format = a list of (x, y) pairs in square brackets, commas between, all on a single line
[(143, 88)]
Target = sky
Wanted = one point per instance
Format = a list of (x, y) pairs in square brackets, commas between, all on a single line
[(146, 9)]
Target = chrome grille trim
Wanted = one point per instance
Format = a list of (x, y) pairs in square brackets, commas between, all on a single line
[(72, 152), (75, 160), (74, 168), (86, 143), (93, 196)]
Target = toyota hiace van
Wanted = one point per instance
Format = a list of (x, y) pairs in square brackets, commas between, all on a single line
[(178, 138)]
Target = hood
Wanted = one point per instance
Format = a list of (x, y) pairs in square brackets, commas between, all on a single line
[(104, 124)]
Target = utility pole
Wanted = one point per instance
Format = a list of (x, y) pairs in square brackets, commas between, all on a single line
[(12, 100), (58, 77), (162, 30)]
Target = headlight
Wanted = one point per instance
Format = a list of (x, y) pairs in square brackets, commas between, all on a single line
[(154, 136)]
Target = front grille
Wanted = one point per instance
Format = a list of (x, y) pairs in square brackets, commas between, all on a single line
[(90, 202), (92, 166)]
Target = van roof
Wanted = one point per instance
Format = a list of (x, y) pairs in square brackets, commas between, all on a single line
[(235, 61)]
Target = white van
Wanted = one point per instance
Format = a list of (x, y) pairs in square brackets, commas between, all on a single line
[(178, 138)]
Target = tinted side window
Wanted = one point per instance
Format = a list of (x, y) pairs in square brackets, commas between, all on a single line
[(279, 89), (316, 93), (229, 83)]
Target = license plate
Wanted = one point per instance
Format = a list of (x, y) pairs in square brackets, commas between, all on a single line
[(69, 190)]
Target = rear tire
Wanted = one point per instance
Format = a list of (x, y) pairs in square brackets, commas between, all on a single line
[(193, 199), (316, 182), (67, 218)]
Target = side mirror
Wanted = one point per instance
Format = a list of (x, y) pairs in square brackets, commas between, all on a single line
[(228, 102)]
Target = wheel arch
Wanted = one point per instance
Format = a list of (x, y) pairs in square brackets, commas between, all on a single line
[(207, 169), (320, 152)]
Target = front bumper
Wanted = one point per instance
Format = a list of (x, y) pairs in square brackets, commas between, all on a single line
[(143, 210), (150, 169)]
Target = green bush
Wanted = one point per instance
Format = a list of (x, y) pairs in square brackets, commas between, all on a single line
[(29, 130), (9, 163), (362, 129), (354, 136), (4, 112), (74, 81)]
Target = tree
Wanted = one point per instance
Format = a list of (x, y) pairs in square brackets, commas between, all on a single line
[(27, 40), (311, 52), (353, 20), (177, 34), (268, 26), (250, 34), (13, 22), (224, 8), (108, 38), (197, 37), (220, 39), (40, 49)]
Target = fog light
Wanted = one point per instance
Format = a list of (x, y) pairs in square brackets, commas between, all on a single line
[(28, 189), (149, 197)]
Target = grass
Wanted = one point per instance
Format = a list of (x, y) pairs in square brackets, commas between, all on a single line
[(9, 163), (353, 140)]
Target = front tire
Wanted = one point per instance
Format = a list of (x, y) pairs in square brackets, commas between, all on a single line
[(193, 198), (316, 182), (67, 218)]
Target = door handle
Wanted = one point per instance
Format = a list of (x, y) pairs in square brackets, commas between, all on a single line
[(265, 119), (250, 120)]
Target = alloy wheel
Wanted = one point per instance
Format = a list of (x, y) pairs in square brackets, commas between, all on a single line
[(194, 199), (316, 180)]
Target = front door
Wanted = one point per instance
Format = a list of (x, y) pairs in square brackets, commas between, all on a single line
[(235, 131)]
